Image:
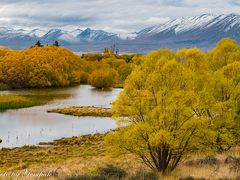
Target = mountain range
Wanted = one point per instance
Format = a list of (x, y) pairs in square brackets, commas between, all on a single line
[(202, 31)]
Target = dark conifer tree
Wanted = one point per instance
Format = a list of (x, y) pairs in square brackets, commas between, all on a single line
[(56, 44), (38, 43)]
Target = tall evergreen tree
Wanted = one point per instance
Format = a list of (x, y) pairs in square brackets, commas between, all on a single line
[(38, 43)]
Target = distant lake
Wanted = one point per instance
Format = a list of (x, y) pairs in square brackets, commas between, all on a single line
[(29, 126)]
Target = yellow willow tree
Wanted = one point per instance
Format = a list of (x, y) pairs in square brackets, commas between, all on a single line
[(170, 108)]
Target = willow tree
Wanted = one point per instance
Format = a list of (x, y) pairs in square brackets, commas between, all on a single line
[(103, 78), (170, 108)]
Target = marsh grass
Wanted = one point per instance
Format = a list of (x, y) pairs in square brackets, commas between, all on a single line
[(84, 111), (23, 101)]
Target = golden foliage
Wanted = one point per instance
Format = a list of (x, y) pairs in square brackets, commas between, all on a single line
[(40, 67), (178, 103), (103, 78)]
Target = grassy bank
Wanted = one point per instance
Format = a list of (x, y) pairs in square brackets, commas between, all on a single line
[(17, 102), (84, 158), (84, 111)]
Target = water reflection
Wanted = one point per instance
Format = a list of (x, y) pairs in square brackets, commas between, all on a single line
[(33, 125)]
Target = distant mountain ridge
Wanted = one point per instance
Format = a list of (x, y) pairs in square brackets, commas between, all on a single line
[(202, 31)]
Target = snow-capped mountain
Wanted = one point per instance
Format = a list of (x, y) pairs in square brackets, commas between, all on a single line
[(90, 35), (199, 31), (87, 35), (202, 31), (76, 32), (57, 35), (37, 33), (204, 22), (180, 25)]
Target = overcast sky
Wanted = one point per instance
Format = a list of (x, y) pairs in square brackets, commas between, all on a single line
[(109, 15)]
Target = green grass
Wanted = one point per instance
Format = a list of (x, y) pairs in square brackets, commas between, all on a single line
[(17, 102), (84, 111)]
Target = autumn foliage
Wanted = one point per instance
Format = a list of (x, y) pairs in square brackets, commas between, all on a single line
[(52, 66), (176, 104), (40, 67), (103, 78)]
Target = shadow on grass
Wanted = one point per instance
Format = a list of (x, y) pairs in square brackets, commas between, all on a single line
[(111, 172)]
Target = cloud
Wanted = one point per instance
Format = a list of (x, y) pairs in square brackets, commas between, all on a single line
[(235, 3), (111, 15), (157, 20), (175, 3)]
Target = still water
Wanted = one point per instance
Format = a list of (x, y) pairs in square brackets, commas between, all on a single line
[(30, 126)]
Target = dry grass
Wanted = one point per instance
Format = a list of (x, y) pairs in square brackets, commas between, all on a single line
[(84, 111), (5, 48), (84, 158)]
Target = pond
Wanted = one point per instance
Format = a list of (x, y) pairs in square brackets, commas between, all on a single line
[(29, 126)]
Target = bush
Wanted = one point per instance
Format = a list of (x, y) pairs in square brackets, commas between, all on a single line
[(103, 78)]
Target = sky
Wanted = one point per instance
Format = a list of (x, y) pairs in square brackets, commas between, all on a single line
[(109, 15)]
